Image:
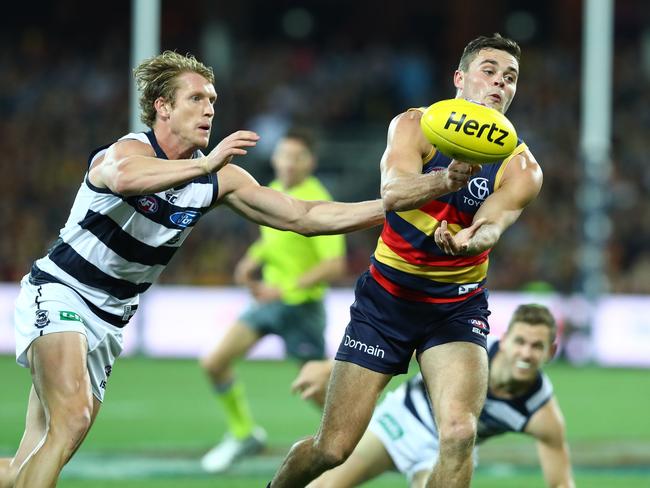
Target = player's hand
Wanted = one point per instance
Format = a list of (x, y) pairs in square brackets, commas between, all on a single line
[(459, 173), (233, 145), (312, 381), (456, 244), (264, 293)]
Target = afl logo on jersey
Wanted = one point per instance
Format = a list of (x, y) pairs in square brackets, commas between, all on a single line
[(185, 219), (479, 188), (148, 204)]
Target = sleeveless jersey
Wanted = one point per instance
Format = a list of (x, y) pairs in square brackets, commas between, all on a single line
[(112, 248), (408, 263), (498, 415)]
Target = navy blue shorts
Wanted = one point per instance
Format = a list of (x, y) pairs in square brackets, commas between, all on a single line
[(384, 330)]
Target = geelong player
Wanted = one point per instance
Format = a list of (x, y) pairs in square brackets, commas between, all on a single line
[(425, 289), (139, 200), (403, 434)]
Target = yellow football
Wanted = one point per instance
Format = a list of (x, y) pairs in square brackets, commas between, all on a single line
[(468, 131)]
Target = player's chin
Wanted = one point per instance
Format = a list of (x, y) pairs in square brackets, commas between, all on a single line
[(496, 105), (203, 139)]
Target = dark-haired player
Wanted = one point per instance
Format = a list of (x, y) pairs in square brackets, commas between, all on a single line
[(425, 289)]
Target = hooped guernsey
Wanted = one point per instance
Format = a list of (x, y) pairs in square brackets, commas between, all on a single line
[(409, 264), (498, 415), (112, 248)]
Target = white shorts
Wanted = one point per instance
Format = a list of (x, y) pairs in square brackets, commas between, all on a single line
[(410, 444), (50, 308)]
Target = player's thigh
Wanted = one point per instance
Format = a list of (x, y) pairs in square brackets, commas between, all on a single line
[(456, 377), (235, 343), (35, 428), (60, 376), (352, 394), (368, 460)]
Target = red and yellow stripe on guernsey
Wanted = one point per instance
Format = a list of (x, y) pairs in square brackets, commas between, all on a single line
[(450, 269)]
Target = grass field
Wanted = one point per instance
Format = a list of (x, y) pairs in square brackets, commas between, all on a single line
[(160, 416)]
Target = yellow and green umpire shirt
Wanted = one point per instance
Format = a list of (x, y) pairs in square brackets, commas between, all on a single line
[(286, 256)]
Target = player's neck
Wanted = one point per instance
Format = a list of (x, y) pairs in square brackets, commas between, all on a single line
[(173, 146), (288, 185)]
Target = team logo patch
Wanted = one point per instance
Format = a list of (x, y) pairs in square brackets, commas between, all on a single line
[(479, 327), (391, 426), (363, 347), (478, 188), (42, 318), (148, 204), (108, 369), (467, 288), (185, 219), (72, 316)]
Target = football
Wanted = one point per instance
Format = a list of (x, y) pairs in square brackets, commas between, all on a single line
[(468, 131)]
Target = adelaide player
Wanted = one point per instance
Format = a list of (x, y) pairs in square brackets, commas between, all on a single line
[(425, 289)]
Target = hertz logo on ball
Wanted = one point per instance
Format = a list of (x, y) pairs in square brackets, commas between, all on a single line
[(468, 131)]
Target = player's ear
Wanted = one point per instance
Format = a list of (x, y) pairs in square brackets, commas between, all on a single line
[(162, 107), (552, 351), (459, 77)]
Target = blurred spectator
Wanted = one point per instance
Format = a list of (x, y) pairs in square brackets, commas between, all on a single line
[(62, 97)]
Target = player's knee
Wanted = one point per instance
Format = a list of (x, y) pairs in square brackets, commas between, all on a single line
[(70, 424), (458, 434), (214, 368), (332, 454)]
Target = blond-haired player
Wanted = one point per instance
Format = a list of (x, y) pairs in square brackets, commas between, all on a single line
[(139, 200)]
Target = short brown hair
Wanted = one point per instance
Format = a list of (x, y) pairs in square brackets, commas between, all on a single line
[(304, 135), (156, 77), (535, 314), (495, 41)]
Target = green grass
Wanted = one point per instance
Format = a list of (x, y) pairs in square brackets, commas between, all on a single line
[(164, 408)]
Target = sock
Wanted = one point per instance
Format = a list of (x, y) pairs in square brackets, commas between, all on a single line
[(238, 413)]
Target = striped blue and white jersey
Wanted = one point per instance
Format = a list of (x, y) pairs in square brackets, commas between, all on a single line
[(498, 415), (112, 248)]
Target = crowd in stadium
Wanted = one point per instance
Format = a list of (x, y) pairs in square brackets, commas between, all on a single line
[(59, 102)]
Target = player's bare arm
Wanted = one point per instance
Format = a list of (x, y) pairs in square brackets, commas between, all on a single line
[(326, 271), (520, 184), (130, 167), (547, 426), (269, 207), (245, 270), (403, 186)]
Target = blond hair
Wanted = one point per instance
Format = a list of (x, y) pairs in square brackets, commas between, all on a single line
[(156, 77)]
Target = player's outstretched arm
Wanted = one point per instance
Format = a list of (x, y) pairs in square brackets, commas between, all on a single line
[(269, 207), (403, 186), (521, 183), (547, 426), (130, 167)]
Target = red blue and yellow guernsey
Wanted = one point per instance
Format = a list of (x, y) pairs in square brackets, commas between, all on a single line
[(408, 263)]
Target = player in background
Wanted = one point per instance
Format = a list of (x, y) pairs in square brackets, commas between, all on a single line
[(403, 435), (288, 299), (425, 291), (136, 205)]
